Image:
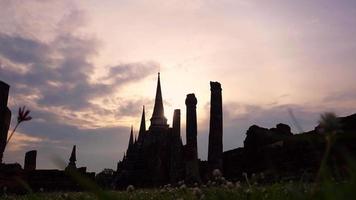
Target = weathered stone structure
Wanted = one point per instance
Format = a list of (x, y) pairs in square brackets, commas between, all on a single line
[(177, 163), (157, 156), (191, 153), (41, 179), (159, 151), (72, 159), (215, 152), (30, 160), (5, 117)]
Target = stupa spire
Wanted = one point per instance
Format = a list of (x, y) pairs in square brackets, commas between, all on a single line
[(158, 118), (142, 126), (131, 140)]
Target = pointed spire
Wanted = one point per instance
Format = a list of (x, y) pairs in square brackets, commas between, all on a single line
[(73, 156), (142, 126), (72, 159), (131, 141), (158, 111)]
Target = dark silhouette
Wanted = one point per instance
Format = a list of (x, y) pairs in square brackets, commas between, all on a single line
[(30, 160), (216, 128), (191, 153), (157, 156), (158, 151), (72, 159), (5, 117)]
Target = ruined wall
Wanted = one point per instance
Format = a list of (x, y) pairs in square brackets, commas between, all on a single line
[(5, 117)]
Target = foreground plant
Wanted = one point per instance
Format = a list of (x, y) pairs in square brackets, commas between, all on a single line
[(23, 115)]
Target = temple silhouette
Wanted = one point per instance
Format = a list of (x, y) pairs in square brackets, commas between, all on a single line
[(158, 156), (159, 150)]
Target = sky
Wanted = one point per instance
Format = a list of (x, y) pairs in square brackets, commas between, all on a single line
[(85, 68)]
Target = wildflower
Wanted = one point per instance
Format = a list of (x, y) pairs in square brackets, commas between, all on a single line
[(180, 183), (64, 195), (22, 116), (222, 180), (237, 185), (41, 189), (229, 185), (329, 123), (197, 192), (182, 187), (244, 174), (217, 173), (130, 188)]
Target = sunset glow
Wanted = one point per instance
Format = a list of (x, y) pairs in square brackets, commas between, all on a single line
[(86, 68)]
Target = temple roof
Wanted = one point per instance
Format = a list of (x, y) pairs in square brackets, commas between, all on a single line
[(158, 118), (142, 126), (73, 156)]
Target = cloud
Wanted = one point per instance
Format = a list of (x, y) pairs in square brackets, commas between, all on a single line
[(341, 96), (54, 75)]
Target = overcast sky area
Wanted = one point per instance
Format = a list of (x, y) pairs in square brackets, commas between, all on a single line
[(86, 68)]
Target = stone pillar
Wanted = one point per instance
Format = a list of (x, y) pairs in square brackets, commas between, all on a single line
[(176, 166), (5, 117), (216, 128), (30, 160), (191, 151), (176, 123)]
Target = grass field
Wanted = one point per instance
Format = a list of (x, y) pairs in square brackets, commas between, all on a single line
[(282, 191)]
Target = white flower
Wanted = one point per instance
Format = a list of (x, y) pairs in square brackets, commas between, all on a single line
[(229, 185), (217, 173), (237, 184), (197, 192), (130, 188), (183, 186)]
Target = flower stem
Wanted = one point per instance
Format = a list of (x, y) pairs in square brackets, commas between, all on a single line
[(12, 133)]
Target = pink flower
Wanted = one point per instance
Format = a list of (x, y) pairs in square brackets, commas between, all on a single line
[(23, 115)]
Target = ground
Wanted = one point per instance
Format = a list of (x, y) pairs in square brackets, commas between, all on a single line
[(288, 190)]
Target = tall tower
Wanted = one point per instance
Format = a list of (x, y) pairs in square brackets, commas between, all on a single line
[(158, 119), (191, 152), (216, 128), (5, 116)]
